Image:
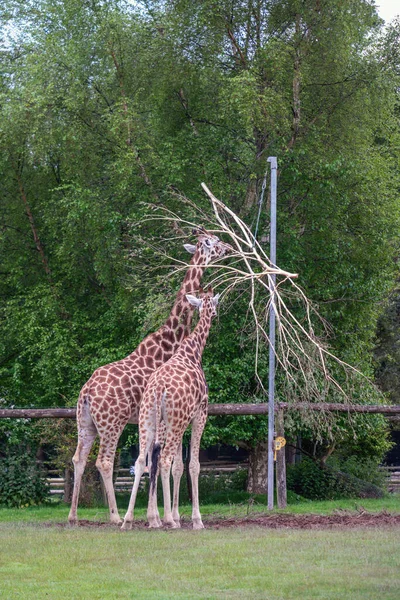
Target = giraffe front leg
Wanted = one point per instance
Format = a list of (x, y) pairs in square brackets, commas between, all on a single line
[(177, 470), (194, 470), (194, 467)]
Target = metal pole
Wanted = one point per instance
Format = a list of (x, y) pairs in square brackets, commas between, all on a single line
[(271, 379)]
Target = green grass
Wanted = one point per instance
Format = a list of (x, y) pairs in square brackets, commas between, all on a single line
[(41, 562), (58, 512), (38, 560)]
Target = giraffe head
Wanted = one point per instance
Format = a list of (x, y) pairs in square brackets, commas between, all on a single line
[(209, 247), (206, 302)]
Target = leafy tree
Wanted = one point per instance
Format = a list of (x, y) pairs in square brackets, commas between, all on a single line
[(107, 106)]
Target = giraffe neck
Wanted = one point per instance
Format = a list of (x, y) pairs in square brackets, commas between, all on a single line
[(196, 342), (180, 317)]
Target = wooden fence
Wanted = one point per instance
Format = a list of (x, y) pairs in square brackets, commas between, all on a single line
[(392, 478), (124, 479), (389, 411)]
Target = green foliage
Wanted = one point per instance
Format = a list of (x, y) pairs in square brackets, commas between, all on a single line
[(312, 481), (14, 432), (107, 106), (212, 487), (365, 469), (22, 482), (387, 349)]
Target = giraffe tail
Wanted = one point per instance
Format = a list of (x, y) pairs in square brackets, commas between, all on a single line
[(160, 414), (154, 465)]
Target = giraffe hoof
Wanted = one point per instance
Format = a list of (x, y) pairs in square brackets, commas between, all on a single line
[(73, 522), (155, 524), (126, 526), (116, 521), (198, 525), (171, 524)]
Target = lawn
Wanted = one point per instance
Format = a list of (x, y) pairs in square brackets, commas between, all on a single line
[(40, 560)]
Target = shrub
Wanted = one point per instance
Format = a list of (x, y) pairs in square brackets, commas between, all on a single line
[(308, 479), (21, 481), (365, 469)]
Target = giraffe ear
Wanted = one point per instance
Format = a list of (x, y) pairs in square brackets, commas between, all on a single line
[(215, 300), (190, 248), (193, 300)]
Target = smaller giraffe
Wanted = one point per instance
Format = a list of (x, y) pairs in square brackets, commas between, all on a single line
[(175, 396)]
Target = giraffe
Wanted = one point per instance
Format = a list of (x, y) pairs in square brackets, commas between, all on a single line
[(176, 395), (111, 397)]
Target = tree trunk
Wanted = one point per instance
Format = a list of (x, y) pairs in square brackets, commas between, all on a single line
[(251, 196), (296, 84), (67, 485), (290, 449), (38, 243), (258, 469)]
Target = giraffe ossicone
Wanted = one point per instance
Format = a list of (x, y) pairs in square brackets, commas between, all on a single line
[(198, 302), (176, 395), (111, 397)]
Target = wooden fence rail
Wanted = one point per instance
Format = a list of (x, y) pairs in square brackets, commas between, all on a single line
[(392, 478), (391, 411), (124, 479)]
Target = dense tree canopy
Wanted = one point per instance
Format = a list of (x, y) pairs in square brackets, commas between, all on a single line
[(108, 106)]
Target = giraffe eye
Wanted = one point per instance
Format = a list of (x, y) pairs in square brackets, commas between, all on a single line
[(207, 243)]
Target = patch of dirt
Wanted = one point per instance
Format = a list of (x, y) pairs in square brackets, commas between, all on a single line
[(336, 520), (339, 519)]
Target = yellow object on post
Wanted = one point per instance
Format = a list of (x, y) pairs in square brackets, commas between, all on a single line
[(279, 443)]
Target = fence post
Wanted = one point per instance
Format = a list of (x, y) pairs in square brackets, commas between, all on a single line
[(281, 492)]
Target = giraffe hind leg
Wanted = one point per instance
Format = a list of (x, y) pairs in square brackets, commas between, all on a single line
[(153, 515), (146, 442), (105, 464), (86, 435), (172, 443)]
